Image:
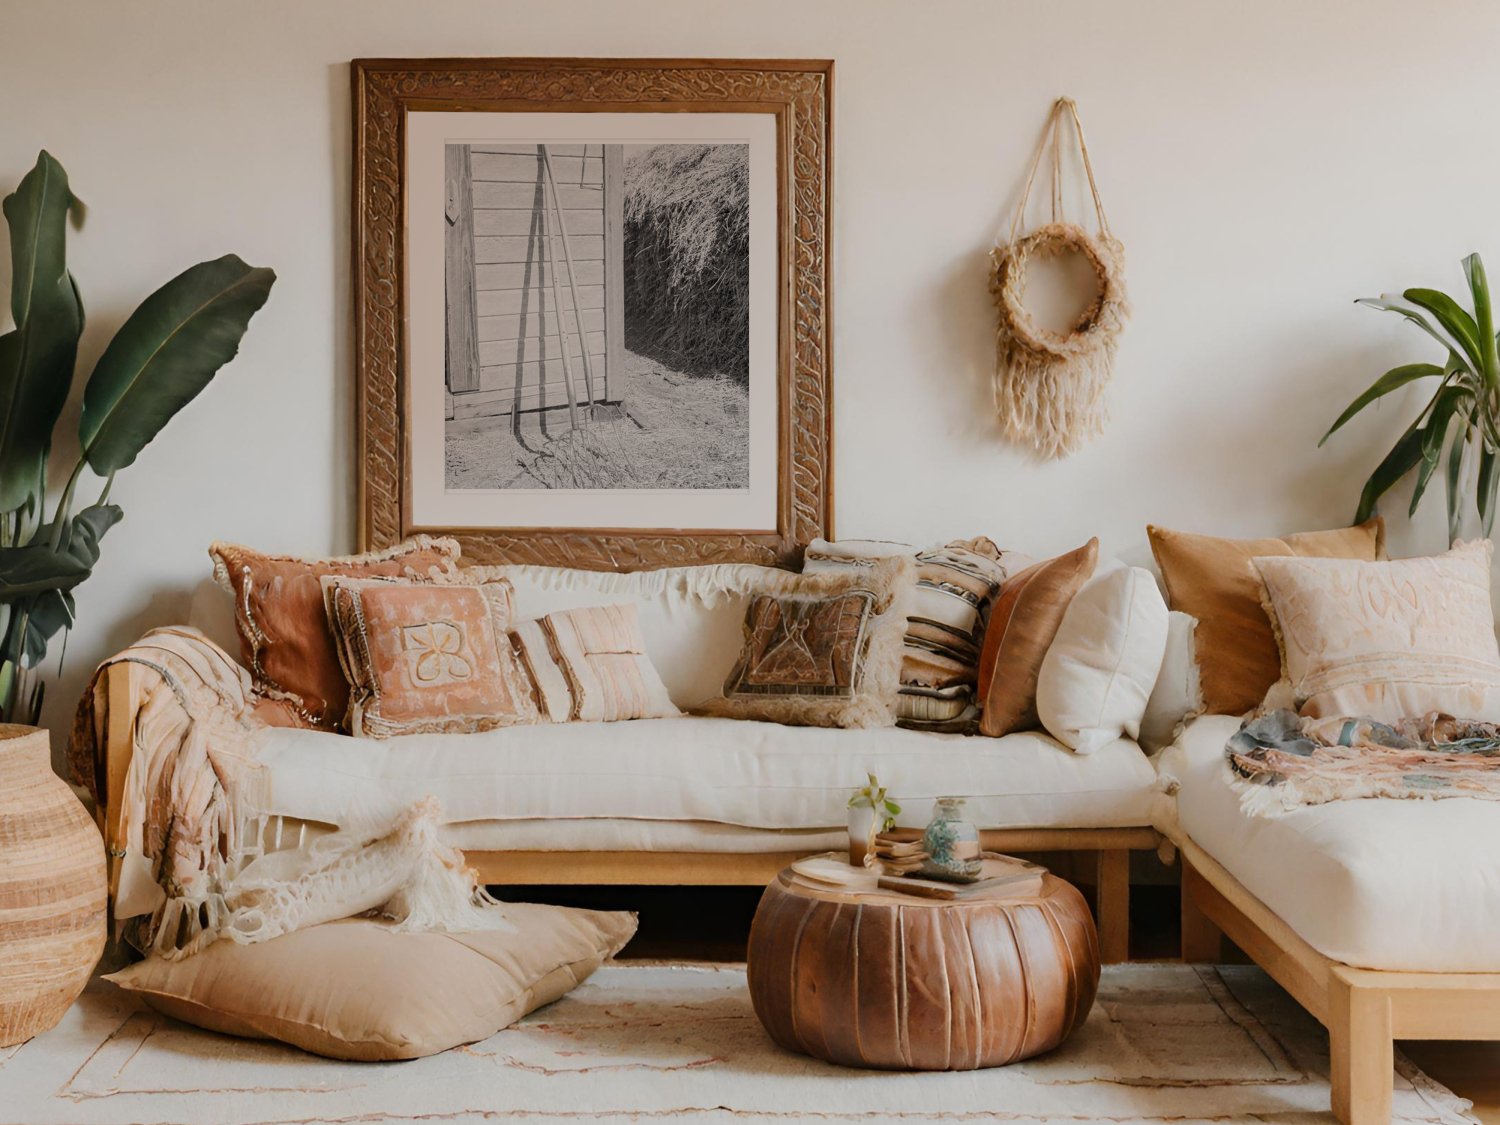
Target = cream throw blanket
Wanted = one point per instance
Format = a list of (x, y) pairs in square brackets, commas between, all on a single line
[(191, 841)]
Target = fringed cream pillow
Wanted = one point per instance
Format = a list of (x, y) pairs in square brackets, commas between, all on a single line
[(1387, 640), (823, 649)]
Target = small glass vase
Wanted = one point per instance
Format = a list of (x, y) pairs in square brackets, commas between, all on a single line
[(951, 843)]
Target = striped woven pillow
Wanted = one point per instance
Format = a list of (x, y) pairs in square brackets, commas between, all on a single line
[(955, 585)]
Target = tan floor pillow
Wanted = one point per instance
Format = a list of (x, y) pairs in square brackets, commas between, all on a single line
[(358, 990)]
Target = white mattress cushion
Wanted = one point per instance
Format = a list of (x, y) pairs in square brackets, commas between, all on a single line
[(731, 771), (1379, 884)]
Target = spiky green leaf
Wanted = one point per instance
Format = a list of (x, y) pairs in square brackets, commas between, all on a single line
[(1489, 461), (1402, 458), (1392, 380), (1448, 403), (168, 351), (1455, 321)]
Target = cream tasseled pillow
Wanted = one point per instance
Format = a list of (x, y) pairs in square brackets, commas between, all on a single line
[(1388, 640)]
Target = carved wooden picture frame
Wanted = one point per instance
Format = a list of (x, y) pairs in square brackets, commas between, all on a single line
[(391, 101)]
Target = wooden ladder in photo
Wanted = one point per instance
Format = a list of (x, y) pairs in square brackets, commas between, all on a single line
[(552, 199)]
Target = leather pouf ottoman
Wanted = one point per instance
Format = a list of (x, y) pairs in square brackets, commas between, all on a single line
[(889, 980)]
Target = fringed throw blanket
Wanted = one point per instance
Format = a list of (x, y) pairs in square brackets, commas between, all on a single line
[(191, 842), (1281, 761)]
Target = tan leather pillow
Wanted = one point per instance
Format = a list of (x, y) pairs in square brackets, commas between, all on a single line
[(1023, 622), (285, 640), (357, 990), (427, 657), (1214, 580)]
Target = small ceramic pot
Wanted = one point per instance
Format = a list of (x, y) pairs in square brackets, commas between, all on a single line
[(861, 832), (951, 843)]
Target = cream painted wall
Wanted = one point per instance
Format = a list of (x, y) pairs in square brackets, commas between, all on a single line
[(1264, 164)]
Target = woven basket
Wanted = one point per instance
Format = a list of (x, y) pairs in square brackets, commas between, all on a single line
[(52, 889)]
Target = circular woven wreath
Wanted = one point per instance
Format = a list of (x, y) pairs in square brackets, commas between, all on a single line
[(1096, 326)]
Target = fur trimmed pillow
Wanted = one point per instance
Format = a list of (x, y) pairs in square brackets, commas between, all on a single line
[(427, 657), (956, 584), (285, 639), (823, 649)]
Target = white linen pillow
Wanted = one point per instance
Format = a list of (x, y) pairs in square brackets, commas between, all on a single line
[(1178, 694), (1100, 669), (1388, 640)]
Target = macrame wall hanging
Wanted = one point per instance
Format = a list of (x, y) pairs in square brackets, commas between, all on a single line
[(1049, 386)]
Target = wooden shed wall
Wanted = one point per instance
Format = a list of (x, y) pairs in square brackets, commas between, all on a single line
[(516, 248)]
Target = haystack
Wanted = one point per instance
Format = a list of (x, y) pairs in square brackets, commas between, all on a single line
[(687, 267)]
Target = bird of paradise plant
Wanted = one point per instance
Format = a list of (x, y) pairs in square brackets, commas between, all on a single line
[(1457, 427), (163, 355)]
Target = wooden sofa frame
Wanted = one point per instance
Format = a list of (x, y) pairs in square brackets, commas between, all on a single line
[(1364, 1010), (1111, 846)]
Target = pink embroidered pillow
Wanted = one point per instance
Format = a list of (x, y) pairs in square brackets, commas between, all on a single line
[(1390, 640), (427, 657), (590, 665)]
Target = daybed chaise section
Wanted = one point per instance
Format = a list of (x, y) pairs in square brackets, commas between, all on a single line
[(1378, 916)]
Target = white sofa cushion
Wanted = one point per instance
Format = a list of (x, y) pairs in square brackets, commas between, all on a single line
[(1101, 665), (731, 771), (1378, 884)]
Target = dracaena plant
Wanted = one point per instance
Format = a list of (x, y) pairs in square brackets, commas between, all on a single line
[(1457, 427), (163, 355)]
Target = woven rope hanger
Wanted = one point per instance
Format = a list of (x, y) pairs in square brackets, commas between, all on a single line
[(1049, 386)]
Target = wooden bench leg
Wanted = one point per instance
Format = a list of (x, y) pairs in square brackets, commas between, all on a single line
[(1112, 886), (1202, 941), (1361, 1052)]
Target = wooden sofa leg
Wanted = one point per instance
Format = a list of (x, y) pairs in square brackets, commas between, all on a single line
[(1202, 941), (1112, 886), (1361, 1052)]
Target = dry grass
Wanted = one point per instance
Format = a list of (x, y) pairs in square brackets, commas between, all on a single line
[(687, 239), (674, 431)]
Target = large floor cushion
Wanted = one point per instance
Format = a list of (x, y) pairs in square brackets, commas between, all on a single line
[(1379, 884), (730, 771)]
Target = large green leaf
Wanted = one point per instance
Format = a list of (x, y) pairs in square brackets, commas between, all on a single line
[(1394, 379), (1402, 458), (164, 355), (37, 356), (35, 568), (1454, 319)]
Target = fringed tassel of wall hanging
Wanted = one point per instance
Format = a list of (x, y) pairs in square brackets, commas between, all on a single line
[(1049, 386)]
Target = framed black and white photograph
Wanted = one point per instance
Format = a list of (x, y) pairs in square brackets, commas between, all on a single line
[(603, 305)]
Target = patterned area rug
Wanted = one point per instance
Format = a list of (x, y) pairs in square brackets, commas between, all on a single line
[(644, 1042)]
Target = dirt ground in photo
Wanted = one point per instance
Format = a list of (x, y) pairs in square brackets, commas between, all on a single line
[(669, 430)]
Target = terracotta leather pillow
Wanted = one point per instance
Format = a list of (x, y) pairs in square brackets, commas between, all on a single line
[(278, 612), (358, 990), (427, 657), (1023, 622), (1215, 581)]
